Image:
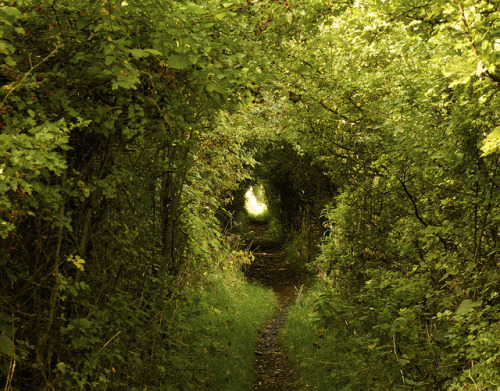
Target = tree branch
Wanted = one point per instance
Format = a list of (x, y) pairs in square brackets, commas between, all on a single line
[(466, 28), (33, 67), (412, 200), (334, 111), (417, 214)]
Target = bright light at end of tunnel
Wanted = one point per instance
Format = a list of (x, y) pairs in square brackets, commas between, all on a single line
[(252, 204)]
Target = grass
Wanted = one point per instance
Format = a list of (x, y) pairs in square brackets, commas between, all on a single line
[(327, 357), (306, 345), (216, 332)]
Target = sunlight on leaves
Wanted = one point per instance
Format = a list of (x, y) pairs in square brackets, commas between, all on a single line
[(77, 261), (492, 142)]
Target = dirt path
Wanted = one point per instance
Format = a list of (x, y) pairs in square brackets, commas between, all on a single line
[(270, 268)]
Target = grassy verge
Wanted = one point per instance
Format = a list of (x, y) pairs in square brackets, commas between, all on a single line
[(301, 342), (325, 355), (215, 334)]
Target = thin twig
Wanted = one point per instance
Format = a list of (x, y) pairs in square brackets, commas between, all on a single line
[(475, 385), (394, 344), (12, 364), (397, 358), (107, 343), (466, 28), (334, 111)]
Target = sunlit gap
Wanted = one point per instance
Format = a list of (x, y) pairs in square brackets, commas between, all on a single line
[(252, 204)]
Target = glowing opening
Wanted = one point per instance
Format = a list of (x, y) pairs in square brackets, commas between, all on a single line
[(253, 201)]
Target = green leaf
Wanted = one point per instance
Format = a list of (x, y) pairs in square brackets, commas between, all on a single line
[(10, 61), (212, 87), (198, 10), (138, 53), (82, 23), (178, 61), (492, 142), (220, 15), (61, 367), (154, 52), (467, 306), (6, 346), (11, 13), (77, 261)]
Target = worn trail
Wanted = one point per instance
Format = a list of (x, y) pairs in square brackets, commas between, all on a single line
[(270, 268)]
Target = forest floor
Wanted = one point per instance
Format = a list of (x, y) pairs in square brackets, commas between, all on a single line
[(270, 268)]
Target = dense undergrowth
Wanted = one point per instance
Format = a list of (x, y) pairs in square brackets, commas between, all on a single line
[(201, 336), (384, 337)]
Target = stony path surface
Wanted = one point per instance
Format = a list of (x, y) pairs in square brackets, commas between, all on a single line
[(270, 268)]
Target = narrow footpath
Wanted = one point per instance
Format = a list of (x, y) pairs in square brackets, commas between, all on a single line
[(271, 269)]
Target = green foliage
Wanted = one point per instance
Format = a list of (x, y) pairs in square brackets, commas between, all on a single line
[(391, 332), (492, 142), (273, 232), (397, 113), (117, 152), (119, 148), (29, 160)]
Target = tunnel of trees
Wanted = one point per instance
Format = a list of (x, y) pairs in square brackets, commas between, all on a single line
[(131, 131)]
